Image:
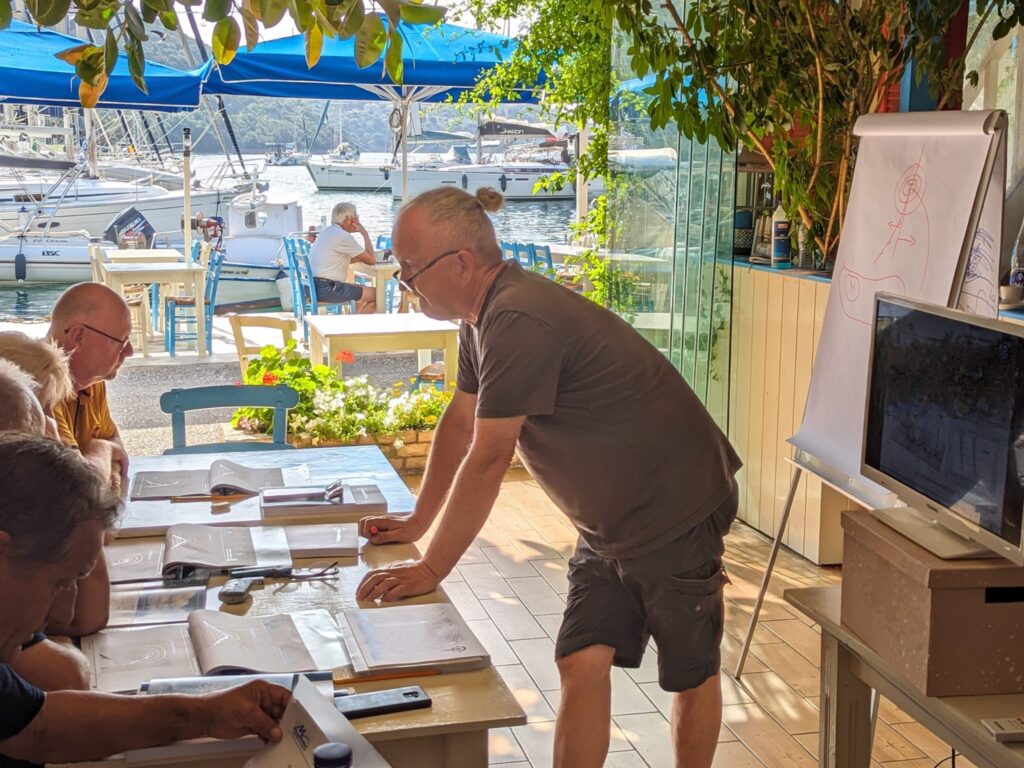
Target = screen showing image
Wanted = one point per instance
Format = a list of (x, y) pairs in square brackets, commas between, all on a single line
[(946, 414)]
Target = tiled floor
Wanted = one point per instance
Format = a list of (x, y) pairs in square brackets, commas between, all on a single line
[(511, 587)]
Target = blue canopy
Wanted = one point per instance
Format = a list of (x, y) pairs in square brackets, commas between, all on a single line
[(30, 73), (439, 61)]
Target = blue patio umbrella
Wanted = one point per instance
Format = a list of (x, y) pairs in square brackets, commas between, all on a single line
[(439, 61), (30, 73)]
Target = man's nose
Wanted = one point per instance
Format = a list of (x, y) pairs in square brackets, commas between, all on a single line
[(62, 610)]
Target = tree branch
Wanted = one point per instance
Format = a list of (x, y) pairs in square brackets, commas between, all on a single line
[(726, 102), (819, 70)]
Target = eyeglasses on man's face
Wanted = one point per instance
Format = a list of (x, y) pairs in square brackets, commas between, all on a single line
[(406, 282), (122, 343)]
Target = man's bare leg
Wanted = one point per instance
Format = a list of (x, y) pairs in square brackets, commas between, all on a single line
[(585, 711), (696, 722)]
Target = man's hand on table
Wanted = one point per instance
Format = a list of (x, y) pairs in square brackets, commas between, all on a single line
[(398, 580), (390, 529), (254, 708)]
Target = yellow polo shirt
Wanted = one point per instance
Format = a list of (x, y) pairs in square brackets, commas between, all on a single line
[(85, 416)]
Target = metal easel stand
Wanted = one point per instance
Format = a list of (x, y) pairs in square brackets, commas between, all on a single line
[(755, 614)]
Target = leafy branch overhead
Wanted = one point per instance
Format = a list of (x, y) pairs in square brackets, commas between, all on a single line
[(236, 22)]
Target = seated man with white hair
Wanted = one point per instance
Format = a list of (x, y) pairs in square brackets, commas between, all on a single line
[(329, 258)]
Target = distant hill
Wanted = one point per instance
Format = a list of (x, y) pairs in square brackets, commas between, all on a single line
[(261, 121)]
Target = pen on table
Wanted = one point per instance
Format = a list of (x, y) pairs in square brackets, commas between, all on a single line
[(386, 676)]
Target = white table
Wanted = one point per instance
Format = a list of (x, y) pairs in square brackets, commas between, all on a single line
[(353, 463), (563, 250), (382, 333), (453, 732), (117, 275), (381, 272)]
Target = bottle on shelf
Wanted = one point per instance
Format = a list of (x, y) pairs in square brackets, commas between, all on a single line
[(1017, 260), (332, 755), (782, 257)]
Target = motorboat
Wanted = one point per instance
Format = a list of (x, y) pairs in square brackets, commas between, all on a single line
[(285, 154)]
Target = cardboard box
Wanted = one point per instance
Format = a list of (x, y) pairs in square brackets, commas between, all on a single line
[(951, 627)]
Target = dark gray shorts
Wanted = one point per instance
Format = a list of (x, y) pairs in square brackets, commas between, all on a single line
[(673, 594), (333, 291)]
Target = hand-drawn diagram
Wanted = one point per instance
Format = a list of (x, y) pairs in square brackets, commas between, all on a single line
[(979, 294), (901, 264)]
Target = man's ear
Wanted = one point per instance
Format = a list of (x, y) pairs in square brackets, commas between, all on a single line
[(75, 334)]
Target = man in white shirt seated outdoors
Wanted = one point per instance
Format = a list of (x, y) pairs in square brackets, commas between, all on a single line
[(329, 258)]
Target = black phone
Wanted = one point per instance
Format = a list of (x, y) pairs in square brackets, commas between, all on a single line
[(356, 705)]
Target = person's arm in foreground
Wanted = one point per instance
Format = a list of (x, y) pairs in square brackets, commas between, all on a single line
[(109, 458), (451, 441), (75, 725), (476, 487)]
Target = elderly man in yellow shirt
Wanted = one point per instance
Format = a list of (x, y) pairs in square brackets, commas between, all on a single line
[(93, 325)]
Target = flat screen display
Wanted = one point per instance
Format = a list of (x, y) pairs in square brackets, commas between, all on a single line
[(945, 414)]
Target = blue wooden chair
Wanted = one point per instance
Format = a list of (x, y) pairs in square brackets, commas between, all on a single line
[(292, 245), (305, 299), (542, 257), (182, 310), (508, 250), (524, 255), (178, 401)]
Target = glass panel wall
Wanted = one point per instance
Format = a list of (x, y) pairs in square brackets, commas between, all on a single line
[(671, 202)]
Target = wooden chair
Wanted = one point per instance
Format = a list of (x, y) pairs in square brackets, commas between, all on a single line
[(508, 251), (524, 255), (178, 401), (286, 325)]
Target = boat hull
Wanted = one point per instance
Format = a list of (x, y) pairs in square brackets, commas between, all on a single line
[(513, 184), (351, 177)]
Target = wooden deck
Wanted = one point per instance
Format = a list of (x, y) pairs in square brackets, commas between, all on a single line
[(511, 588)]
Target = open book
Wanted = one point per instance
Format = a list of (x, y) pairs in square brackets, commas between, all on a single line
[(406, 638), (223, 477), (359, 500), (217, 548), (155, 605), (211, 643)]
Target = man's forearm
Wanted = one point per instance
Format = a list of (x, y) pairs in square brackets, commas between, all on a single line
[(451, 441), (74, 726), (476, 488), (99, 454)]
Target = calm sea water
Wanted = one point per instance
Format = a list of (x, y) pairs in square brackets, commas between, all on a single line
[(532, 221)]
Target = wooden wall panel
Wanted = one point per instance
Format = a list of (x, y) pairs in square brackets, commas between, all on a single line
[(775, 327)]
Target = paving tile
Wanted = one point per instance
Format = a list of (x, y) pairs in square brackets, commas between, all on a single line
[(781, 701), (796, 670), (551, 623), (538, 596), (555, 572), (485, 581), (765, 737), (512, 618), (462, 597), (497, 646), (538, 656), (502, 748), (509, 561), (627, 698), (526, 692)]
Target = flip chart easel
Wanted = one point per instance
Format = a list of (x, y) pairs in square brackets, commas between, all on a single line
[(925, 220)]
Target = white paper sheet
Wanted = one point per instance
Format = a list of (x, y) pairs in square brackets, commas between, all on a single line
[(123, 659)]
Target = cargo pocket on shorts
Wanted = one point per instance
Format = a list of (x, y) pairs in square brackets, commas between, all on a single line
[(699, 596)]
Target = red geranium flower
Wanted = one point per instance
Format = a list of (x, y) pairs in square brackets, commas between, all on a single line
[(270, 378)]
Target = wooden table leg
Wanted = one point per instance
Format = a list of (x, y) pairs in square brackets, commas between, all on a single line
[(316, 347), (199, 293), (844, 740), (451, 358)]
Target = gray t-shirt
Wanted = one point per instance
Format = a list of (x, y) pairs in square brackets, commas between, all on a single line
[(613, 433)]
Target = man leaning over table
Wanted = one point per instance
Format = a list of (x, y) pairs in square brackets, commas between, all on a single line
[(615, 437), (54, 513), (93, 325)]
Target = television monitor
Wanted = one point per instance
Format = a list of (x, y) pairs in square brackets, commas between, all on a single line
[(944, 427)]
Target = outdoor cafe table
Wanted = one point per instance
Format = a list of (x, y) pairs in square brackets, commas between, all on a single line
[(117, 275), (381, 272), (452, 733), (364, 464), (382, 333), (131, 256)]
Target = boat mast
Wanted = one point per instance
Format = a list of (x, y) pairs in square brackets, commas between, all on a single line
[(220, 101)]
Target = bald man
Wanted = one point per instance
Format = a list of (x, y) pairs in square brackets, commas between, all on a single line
[(93, 325)]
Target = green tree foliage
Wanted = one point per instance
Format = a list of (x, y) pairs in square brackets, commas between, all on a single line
[(785, 78), (316, 19)]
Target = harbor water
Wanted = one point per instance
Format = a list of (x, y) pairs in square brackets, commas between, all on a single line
[(531, 221)]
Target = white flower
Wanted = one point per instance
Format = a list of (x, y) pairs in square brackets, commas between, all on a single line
[(399, 443)]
